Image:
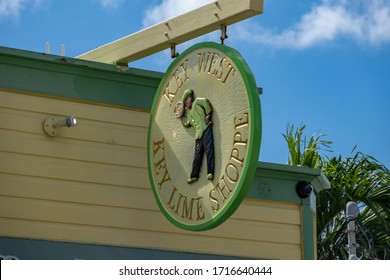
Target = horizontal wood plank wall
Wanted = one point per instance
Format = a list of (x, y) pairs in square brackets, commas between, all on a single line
[(90, 185)]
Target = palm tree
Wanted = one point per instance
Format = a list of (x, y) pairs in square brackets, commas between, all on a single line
[(359, 178), (305, 152)]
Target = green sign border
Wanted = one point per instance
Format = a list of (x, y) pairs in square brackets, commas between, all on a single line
[(254, 139)]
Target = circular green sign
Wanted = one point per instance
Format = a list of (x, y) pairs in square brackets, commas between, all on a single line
[(204, 136)]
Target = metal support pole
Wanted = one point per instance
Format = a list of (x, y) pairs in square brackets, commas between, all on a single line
[(352, 211)]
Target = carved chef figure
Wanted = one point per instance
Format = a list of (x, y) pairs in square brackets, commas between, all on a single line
[(198, 115)]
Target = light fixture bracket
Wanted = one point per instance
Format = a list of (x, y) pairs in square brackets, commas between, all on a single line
[(53, 126)]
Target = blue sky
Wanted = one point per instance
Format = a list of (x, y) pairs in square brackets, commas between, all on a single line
[(324, 63)]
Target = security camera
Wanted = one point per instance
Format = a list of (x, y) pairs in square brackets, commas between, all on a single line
[(352, 210), (303, 189)]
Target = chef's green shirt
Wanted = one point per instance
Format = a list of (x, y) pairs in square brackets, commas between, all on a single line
[(196, 115)]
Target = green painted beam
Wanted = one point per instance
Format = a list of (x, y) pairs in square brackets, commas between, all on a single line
[(31, 249), (68, 78), (277, 182), (308, 233)]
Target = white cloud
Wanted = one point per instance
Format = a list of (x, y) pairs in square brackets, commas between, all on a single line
[(379, 24), (12, 8), (170, 8), (363, 21)]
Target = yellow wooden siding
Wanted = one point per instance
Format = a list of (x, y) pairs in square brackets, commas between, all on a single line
[(90, 185)]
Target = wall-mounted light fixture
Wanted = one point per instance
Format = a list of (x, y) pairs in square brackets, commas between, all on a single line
[(53, 126)]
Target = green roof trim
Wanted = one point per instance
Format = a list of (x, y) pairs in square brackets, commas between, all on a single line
[(308, 233), (277, 182), (35, 249), (69, 78)]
